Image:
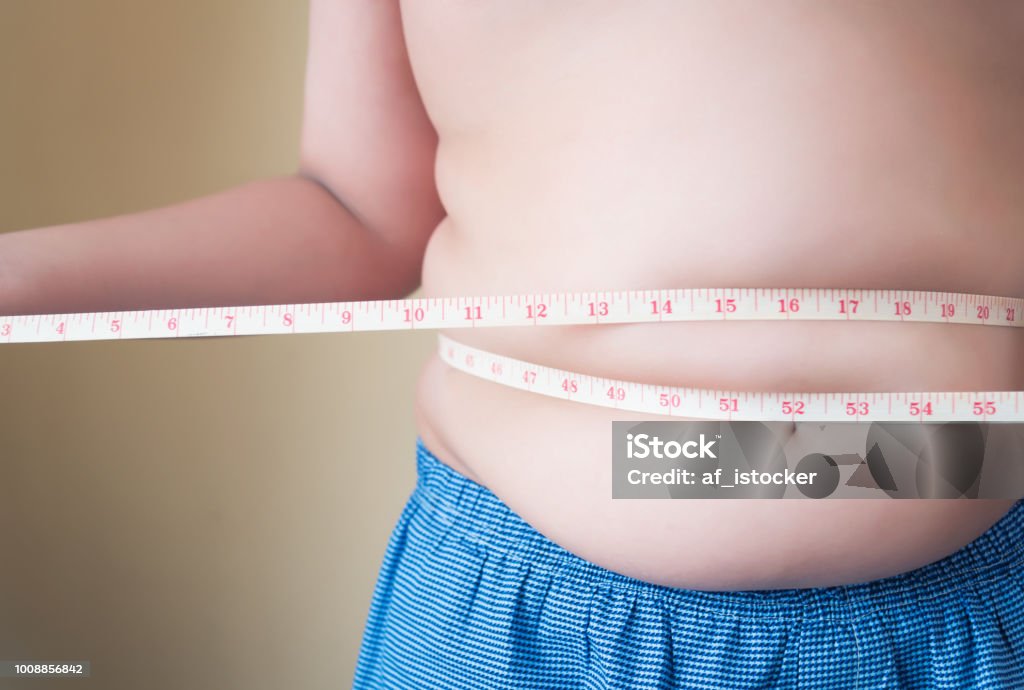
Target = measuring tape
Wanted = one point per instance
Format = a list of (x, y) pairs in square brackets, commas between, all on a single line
[(562, 309), (733, 405)]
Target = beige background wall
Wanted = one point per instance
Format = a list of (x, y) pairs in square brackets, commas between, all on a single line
[(193, 514)]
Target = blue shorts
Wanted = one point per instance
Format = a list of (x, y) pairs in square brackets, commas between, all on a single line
[(470, 596)]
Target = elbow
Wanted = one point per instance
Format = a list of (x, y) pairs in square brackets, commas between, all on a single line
[(305, 174), (392, 248)]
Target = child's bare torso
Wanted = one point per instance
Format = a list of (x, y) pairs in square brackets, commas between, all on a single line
[(613, 145)]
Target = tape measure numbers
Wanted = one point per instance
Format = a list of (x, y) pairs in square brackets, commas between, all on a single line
[(632, 306), (624, 306), (700, 403)]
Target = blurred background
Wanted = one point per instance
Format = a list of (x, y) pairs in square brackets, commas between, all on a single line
[(206, 513)]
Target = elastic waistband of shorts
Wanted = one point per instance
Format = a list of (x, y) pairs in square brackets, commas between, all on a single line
[(477, 514)]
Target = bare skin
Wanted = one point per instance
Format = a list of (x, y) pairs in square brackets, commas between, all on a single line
[(667, 144), (609, 145)]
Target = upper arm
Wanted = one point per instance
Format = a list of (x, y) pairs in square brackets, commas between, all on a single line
[(366, 136)]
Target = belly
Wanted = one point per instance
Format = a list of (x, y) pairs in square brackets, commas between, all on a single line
[(550, 460), (731, 176)]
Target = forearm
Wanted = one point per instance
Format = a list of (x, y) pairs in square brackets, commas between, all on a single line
[(280, 240)]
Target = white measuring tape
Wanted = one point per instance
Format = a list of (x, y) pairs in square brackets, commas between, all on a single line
[(627, 306)]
